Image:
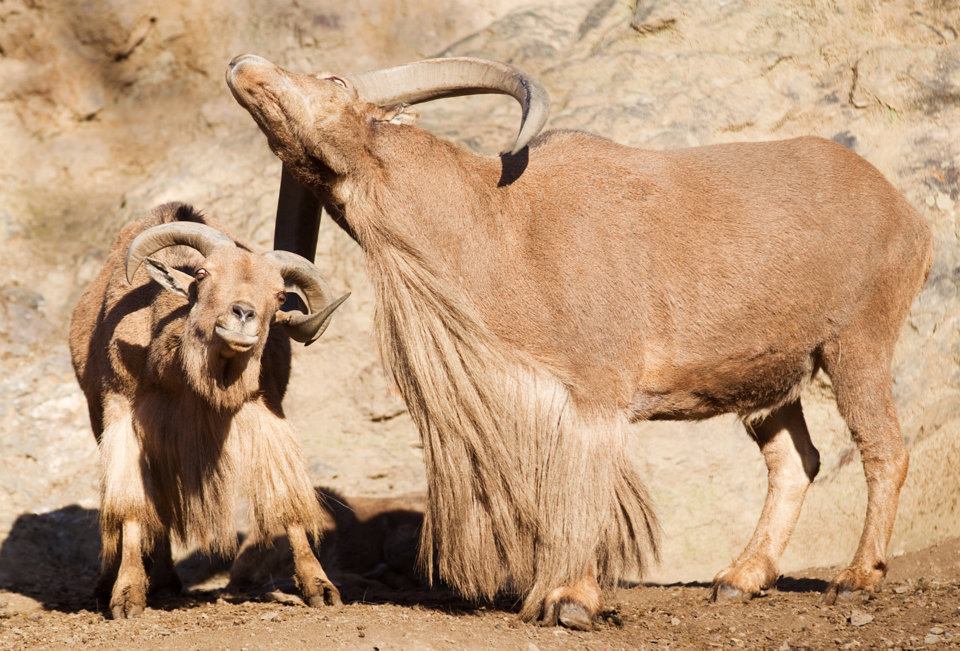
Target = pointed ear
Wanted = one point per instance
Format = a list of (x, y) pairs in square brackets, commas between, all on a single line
[(400, 114), (172, 280)]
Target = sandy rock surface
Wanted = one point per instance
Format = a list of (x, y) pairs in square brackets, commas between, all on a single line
[(108, 108)]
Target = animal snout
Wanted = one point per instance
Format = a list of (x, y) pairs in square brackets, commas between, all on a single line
[(246, 58), (243, 311)]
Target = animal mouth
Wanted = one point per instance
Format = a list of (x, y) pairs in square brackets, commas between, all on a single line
[(236, 341), (268, 94), (250, 79)]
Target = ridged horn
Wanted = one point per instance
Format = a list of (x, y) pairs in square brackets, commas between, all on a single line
[(304, 279), (201, 237), (429, 79)]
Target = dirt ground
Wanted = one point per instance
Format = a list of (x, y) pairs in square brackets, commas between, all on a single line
[(918, 606), (111, 107)]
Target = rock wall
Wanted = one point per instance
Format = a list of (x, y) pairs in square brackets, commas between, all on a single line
[(108, 108)]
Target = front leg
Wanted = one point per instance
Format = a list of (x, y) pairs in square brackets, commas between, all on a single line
[(316, 588), (129, 595), (575, 605), (283, 499), (125, 510)]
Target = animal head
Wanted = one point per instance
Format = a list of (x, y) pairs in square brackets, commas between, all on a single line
[(322, 125), (234, 295)]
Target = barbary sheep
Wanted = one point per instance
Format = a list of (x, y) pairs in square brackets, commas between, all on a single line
[(184, 389), (530, 306)]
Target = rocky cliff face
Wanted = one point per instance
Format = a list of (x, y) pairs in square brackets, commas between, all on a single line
[(108, 108)]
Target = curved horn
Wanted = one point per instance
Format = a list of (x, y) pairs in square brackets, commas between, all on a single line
[(429, 79), (304, 279), (201, 237)]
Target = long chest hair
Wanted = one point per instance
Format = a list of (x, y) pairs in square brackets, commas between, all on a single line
[(524, 493), (195, 468)]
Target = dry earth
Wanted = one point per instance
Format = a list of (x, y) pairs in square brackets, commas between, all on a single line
[(108, 108), (918, 607)]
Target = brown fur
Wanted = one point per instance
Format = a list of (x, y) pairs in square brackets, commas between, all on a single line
[(530, 306), (186, 427), (533, 456)]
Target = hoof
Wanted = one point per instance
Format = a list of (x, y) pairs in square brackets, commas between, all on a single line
[(574, 605), (574, 616), (851, 581), (745, 579), (126, 611), (568, 614), (129, 598), (835, 593), (327, 595), (725, 592), (127, 606), (840, 592)]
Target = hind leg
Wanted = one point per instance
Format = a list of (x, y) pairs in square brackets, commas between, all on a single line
[(109, 565), (246, 571), (860, 371), (792, 463), (163, 575)]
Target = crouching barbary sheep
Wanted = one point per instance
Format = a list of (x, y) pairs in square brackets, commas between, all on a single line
[(184, 388), (531, 305)]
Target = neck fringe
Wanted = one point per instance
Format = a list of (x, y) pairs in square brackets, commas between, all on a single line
[(525, 494)]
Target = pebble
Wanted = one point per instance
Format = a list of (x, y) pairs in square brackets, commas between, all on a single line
[(860, 618)]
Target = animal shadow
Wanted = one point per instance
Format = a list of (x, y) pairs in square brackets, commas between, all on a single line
[(369, 549), (54, 558)]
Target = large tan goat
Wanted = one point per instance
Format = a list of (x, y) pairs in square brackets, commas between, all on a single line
[(531, 305), (184, 388)]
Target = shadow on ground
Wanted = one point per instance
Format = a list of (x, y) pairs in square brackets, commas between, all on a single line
[(53, 558), (369, 549)]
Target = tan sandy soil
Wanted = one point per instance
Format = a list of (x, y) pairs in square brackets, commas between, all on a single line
[(917, 607)]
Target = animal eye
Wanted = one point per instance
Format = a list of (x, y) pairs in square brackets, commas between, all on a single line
[(281, 297), (201, 274), (337, 80)]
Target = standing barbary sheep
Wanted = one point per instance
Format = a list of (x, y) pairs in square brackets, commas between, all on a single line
[(530, 306), (184, 388)]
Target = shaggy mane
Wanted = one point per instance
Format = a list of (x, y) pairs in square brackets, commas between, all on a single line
[(525, 493)]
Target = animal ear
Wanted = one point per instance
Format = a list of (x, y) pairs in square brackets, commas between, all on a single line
[(172, 280), (400, 114)]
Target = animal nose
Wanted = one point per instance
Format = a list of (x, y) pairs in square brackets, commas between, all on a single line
[(243, 311), (249, 58)]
